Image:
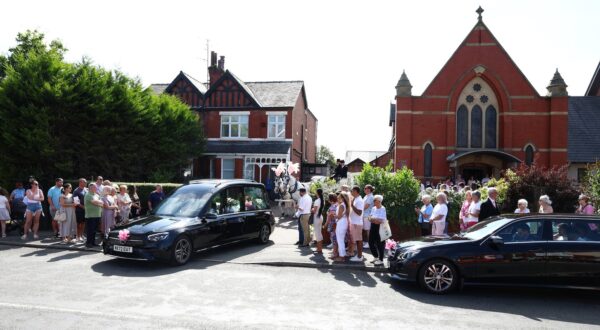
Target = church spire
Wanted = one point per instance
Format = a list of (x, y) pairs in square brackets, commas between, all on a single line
[(403, 88), (557, 86)]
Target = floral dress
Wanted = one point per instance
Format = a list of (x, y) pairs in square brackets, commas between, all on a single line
[(330, 226)]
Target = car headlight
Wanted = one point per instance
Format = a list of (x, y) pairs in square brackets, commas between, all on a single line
[(158, 237), (408, 254)]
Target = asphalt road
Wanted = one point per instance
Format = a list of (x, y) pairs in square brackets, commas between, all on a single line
[(54, 289)]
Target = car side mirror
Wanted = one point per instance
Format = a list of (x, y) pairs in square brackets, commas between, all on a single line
[(497, 241), (210, 216)]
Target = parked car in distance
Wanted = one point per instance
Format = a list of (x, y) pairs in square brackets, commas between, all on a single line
[(198, 215), (555, 250)]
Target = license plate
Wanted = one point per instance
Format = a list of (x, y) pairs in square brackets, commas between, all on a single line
[(121, 248)]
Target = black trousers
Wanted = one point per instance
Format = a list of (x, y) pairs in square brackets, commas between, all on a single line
[(375, 244), (91, 224), (425, 229)]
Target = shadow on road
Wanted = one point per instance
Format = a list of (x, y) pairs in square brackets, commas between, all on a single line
[(201, 260), (532, 303)]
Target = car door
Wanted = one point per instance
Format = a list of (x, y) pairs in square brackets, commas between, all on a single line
[(210, 227), (256, 210), (521, 258), (233, 213), (574, 253)]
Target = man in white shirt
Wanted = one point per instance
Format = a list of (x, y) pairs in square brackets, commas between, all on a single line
[(356, 223), (304, 206)]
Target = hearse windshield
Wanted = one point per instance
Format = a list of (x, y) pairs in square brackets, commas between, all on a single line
[(185, 202)]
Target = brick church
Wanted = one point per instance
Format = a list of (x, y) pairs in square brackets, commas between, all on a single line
[(481, 115)]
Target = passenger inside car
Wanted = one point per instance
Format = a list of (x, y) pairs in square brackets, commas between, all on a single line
[(523, 233), (583, 232), (564, 231)]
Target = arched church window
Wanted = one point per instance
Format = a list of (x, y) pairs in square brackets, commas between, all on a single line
[(427, 160), (476, 127), (462, 127), (490, 127), (529, 155)]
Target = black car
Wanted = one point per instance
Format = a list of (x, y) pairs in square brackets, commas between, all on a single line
[(198, 215), (533, 250)]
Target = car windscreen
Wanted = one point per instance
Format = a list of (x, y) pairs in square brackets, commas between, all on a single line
[(186, 202), (485, 228)]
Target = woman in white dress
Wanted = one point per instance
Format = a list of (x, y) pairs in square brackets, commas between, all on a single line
[(474, 208), (317, 211), (343, 213), (67, 228), (438, 217)]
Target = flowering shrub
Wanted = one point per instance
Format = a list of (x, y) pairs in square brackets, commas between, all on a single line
[(530, 182), (591, 183), (400, 191)]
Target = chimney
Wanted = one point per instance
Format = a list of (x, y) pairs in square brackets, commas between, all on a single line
[(216, 69), (213, 58), (222, 63)]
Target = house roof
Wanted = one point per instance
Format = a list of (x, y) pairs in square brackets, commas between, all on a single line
[(594, 86), (267, 94), (356, 161), (584, 120), (248, 147), (199, 85), (158, 89), (276, 93)]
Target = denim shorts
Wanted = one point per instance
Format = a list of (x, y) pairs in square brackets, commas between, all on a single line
[(33, 208)]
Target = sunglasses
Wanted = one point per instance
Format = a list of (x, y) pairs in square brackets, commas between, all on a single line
[(34, 184)]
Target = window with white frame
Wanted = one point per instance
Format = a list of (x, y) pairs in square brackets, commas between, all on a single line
[(276, 127), (234, 126), (228, 169)]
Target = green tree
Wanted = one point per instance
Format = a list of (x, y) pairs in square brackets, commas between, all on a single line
[(71, 120), (325, 156)]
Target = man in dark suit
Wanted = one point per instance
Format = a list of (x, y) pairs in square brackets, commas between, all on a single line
[(489, 208)]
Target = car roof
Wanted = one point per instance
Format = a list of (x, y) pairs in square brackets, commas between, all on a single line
[(551, 216), (218, 183)]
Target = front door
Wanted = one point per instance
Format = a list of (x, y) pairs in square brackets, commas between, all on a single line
[(522, 257)]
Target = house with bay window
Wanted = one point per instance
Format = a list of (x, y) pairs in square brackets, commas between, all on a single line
[(249, 126)]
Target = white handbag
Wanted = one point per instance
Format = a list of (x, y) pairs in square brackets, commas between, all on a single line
[(60, 215), (385, 231)]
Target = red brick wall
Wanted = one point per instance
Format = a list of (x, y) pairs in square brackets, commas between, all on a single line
[(257, 122), (524, 116)]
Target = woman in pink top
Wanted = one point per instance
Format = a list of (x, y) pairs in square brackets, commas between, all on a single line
[(585, 207), (464, 210)]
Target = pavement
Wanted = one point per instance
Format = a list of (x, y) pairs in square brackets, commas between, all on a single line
[(281, 251)]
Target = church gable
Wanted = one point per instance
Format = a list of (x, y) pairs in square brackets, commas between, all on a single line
[(230, 92), (480, 54)]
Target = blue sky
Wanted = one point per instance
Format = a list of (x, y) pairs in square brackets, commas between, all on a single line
[(349, 53)]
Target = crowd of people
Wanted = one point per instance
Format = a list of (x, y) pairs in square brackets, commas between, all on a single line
[(353, 221), (76, 215)]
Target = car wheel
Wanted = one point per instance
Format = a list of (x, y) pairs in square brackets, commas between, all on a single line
[(264, 233), (182, 251), (438, 276)]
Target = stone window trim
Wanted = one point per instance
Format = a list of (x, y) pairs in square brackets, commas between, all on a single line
[(485, 92), (276, 123)]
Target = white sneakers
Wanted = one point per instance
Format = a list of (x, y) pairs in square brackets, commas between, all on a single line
[(378, 262), (356, 258), (365, 245)]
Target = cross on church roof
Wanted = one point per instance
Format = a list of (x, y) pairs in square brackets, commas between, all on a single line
[(479, 11)]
